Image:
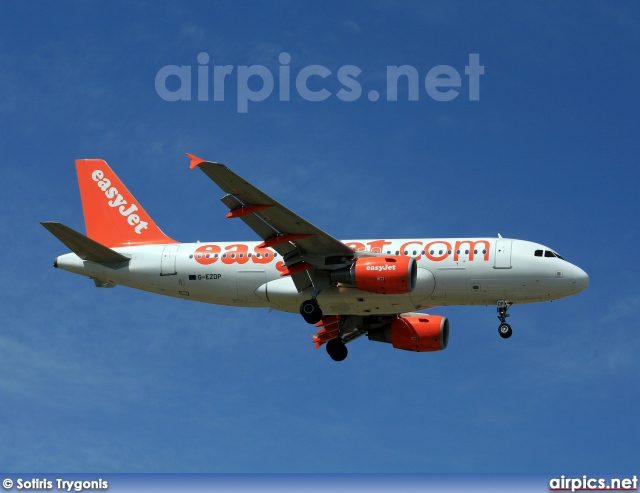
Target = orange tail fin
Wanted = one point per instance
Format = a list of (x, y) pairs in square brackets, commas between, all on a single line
[(112, 215)]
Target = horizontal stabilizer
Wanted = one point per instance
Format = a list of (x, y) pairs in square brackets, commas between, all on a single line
[(83, 247)]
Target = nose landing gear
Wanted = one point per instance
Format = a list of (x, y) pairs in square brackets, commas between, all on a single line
[(505, 329)]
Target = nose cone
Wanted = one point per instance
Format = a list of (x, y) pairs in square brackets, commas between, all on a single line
[(580, 279)]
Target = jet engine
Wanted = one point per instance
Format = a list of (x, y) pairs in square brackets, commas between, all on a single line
[(420, 333), (383, 275)]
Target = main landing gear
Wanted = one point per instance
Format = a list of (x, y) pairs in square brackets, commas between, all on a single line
[(311, 312), (505, 329), (337, 349)]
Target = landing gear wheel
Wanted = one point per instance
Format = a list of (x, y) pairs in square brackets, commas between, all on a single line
[(505, 331), (337, 349), (310, 311)]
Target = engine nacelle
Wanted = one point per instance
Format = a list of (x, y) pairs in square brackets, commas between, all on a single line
[(383, 275), (420, 333)]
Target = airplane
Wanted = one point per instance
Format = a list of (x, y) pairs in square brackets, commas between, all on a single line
[(347, 289)]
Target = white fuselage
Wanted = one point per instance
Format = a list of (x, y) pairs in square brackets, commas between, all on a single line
[(477, 271)]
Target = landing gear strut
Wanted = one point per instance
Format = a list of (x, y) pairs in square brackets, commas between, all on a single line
[(310, 311), (337, 349), (505, 329)]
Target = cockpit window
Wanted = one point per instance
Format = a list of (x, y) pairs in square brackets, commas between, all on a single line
[(547, 254)]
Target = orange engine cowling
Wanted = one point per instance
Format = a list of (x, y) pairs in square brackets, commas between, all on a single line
[(384, 275), (420, 333)]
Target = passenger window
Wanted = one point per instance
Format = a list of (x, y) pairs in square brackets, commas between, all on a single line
[(266, 255), (538, 253)]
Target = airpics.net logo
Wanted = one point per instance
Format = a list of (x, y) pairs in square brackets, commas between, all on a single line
[(313, 83)]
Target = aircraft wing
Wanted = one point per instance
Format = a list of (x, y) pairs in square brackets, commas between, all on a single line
[(296, 239)]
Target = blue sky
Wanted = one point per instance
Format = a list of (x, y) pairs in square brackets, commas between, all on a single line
[(124, 381)]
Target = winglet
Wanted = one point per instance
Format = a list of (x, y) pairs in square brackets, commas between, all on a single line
[(195, 161)]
